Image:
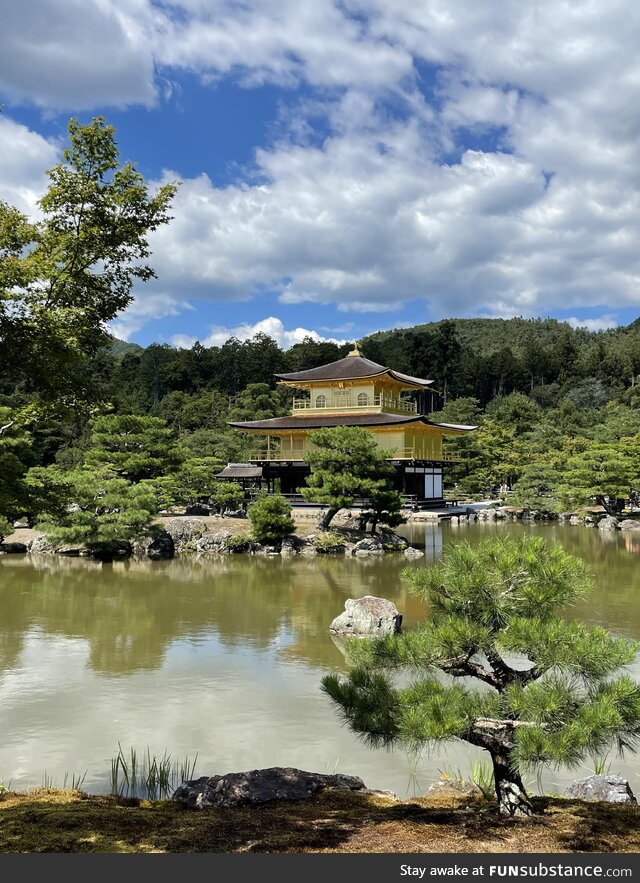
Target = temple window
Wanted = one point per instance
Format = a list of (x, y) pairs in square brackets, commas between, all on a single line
[(363, 399), (321, 401)]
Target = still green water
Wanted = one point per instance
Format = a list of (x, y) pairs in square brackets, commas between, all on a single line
[(223, 657)]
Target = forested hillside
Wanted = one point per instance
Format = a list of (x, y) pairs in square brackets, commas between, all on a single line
[(557, 407)]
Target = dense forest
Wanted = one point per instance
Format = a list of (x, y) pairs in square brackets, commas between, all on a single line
[(557, 406), (96, 434)]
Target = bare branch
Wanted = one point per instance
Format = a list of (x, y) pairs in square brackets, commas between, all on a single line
[(462, 667), (6, 426)]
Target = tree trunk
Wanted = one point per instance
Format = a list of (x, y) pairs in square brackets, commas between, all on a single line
[(512, 797), (327, 517), (608, 508)]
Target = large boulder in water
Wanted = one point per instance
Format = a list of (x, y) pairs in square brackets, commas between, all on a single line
[(608, 523), (368, 546), (161, 547), (393, 542), (41, 546), (611, 789), (629, 524), (368, 617), (12, 548), (260, 786)]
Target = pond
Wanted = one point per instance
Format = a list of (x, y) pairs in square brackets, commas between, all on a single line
[(223, 657)]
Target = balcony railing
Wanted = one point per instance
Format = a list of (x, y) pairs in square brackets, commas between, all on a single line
[(416, 454), (289, 455), (379, 402)]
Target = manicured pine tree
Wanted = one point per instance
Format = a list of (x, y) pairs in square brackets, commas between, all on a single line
[(346, 464), (133, 446), (108, 510), (549, 688)]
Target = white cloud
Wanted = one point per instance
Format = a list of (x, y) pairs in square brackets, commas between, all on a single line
[(271, 326), (600, 323), (389, 207), (24, 156), (78, 54), (146, 306)]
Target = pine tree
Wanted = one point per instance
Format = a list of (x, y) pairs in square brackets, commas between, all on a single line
[(346, 463), (132, 446), (107, 511), (490, 606)]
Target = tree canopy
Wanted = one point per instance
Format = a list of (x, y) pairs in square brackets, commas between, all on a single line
[(62, 278), (347, 464), (549, 688)]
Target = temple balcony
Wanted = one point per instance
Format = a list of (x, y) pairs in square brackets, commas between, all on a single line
[(288, 454), (361, 403)]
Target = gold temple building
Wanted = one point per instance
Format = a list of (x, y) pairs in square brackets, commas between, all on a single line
[(355, 391)]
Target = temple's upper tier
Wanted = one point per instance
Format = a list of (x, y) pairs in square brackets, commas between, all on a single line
[(352, 367)]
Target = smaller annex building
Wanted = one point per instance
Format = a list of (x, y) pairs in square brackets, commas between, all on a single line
[(355, 391)]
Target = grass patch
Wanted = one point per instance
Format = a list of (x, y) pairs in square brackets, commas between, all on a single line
[(70, 821)]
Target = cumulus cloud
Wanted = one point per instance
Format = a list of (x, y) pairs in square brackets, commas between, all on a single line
[(600, 323), (501, 181), (78, 54), (271, 326), (24, 157), (147, 306)]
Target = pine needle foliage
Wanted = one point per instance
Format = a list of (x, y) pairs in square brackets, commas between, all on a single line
[(547, 689)]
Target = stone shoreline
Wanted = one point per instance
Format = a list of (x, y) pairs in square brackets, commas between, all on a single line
[(216, 534)]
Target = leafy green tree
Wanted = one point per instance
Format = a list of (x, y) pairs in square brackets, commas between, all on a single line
[(346, 464), (193, 482), (445, 354), (207, 409), (383, 506), (493, 458), (602, 473), (490, 606), (516, 411), (107, 510), (270, 518), (63, 277), (133, 446)]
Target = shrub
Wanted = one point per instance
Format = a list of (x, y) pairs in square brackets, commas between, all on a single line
[(329, 542), (270, 518), (240, 543)]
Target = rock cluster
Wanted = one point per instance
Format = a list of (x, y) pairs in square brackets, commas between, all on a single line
[(611, 789), (260, 786)]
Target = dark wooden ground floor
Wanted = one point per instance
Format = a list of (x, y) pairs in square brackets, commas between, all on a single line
[(421, 482)]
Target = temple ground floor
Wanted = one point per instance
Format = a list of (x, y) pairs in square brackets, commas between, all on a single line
[(420, 482)]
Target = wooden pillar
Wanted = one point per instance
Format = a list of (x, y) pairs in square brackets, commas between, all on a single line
[(268, 447)]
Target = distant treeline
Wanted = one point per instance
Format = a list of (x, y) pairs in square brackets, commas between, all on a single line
[(557, 407)]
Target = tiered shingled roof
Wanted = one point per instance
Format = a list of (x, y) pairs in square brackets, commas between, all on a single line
[(318, 421), (352, 367)]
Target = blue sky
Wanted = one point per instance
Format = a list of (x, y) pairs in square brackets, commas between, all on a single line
[(349, 165)]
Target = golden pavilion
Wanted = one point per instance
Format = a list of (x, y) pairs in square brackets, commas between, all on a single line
[(355, 391)]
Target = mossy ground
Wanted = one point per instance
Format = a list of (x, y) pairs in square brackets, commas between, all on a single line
[(49, 820)]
